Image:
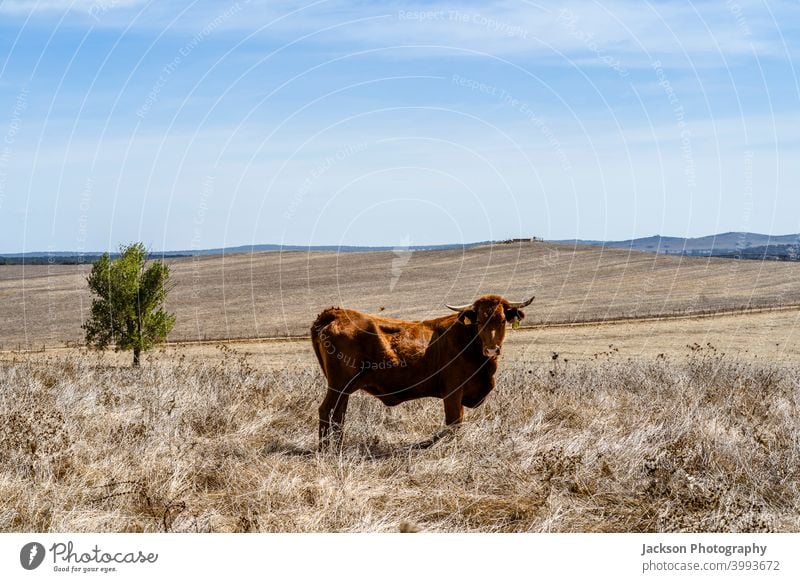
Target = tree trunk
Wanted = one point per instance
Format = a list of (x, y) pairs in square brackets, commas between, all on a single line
[(136, 353)]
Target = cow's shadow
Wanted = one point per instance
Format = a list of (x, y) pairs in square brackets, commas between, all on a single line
[(377, 452), (290, 450), (444, 434), (362, 451)]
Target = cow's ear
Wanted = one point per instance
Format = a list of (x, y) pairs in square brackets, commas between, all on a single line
[(467, 317), (514, 314)]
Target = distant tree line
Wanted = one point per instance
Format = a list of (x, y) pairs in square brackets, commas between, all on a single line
[(759, 253), (62, 259)]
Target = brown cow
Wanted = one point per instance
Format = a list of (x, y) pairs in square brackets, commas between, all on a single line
[(452, 357)]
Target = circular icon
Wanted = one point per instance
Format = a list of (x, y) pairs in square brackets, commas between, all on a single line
[(31, 555)]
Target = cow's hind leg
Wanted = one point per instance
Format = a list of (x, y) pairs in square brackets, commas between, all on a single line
[(331, 419)]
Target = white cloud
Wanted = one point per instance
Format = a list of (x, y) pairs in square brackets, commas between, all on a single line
[(633, 32)]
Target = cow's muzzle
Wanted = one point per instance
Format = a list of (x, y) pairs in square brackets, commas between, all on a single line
[(491, 352)]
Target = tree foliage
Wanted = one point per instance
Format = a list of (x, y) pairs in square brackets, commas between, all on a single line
[(128, 308)]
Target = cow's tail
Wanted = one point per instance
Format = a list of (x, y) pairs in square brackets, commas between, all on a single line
[(317, 336)]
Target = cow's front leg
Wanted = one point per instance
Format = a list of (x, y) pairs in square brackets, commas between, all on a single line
[(453, 409), (453, 416)]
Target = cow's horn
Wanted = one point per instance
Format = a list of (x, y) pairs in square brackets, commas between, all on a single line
[(458, 307), (522, 303)]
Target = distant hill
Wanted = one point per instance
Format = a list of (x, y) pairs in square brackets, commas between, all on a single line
[(740, 245), (747, 245)]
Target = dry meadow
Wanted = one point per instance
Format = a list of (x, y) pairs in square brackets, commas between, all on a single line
[(684, 442)]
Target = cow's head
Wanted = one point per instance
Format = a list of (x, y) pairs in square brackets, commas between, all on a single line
[(488, 316)]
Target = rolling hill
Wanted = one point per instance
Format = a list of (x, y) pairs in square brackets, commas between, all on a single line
[(279, 293)]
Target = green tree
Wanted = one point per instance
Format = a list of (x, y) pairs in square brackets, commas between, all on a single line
[(128, 307)]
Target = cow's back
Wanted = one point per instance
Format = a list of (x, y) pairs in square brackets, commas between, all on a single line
[(345, 339), (398, 360)]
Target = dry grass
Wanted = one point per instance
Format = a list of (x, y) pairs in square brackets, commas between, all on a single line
[(269, 294), (698, 443)]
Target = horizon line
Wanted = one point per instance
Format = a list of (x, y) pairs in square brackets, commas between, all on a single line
[(382, 247)]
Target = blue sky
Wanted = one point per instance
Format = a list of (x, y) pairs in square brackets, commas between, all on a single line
[(205, 124)]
